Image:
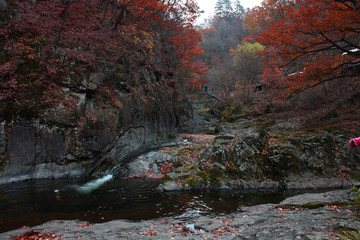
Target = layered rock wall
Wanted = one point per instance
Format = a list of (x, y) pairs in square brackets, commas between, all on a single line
[(105, 121)]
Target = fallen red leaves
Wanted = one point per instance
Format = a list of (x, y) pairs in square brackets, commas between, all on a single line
[(166, 167), (198, 138), (85, 225), (149, 233), (35, 235)]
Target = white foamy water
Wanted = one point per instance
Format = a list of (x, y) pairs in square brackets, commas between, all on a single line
[(92, 185)]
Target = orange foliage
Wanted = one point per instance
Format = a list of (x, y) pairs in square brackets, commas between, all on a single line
[(187, 48), (307, 42), (56, 41)]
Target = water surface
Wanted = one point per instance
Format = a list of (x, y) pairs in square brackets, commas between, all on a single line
[(34, 202)]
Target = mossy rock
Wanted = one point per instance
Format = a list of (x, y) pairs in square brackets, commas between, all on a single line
[(195, 182), (233, 113)]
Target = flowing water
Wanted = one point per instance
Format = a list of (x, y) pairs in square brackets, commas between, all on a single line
[(31, 203)]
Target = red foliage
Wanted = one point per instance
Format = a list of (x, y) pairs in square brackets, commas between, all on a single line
[(46, 43), (307, 42), (35, 235)]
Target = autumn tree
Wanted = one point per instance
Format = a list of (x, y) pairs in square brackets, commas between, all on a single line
[(222, 34), (310, 43), (47, 44), (261, 17), (247, 62)]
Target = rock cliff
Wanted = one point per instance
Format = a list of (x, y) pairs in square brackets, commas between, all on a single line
[(108, 120)]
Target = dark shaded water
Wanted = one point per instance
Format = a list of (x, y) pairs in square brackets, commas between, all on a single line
[(34, 202)]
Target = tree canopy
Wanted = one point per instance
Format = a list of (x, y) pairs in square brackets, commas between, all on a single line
[(45, 43), (307, 42)]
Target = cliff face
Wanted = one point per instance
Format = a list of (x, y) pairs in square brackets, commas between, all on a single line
[(85, 85), (100, 129)]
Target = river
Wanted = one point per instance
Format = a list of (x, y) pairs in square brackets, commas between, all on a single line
[(30, 203)]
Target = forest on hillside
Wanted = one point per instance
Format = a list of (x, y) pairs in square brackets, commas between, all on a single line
[(302, 54), (287, 47), (46, 45)]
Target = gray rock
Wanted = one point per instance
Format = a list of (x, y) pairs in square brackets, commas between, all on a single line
[(101, 129), (3, 5), (170, 186), (338, 196), (21, 151), (149, 162), (55, 171), (94, 81)]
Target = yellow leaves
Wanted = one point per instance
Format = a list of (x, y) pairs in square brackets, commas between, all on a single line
[(246, 51), (138, 39)]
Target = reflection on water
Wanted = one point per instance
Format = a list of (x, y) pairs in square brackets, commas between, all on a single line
[(34, 202)]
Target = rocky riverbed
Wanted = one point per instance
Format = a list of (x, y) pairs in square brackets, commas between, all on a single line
[(306, 216)]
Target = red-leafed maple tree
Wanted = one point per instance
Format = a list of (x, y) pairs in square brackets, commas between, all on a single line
[(47, 43), (308, 42)]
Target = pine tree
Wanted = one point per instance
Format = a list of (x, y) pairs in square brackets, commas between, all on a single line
[(239, 9), (219, 8), (223, 8), (228, 10)]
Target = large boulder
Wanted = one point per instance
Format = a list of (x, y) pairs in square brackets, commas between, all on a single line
[(295, 159)]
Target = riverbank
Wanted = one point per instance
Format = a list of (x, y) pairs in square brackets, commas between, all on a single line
[(306, 216)]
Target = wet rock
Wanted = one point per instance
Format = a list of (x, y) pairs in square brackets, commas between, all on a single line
[(170, 186), (149, 162), (339, 196)]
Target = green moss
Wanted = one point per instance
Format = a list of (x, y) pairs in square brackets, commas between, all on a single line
[(355, 176), (203, 110), (195, 181), (114, 164), (232, 113), (347, 233), (345, 229), (100, 169), (166, 178), (216, 176), (178, 164), (356, 191), (192, 166), (203, 175)]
